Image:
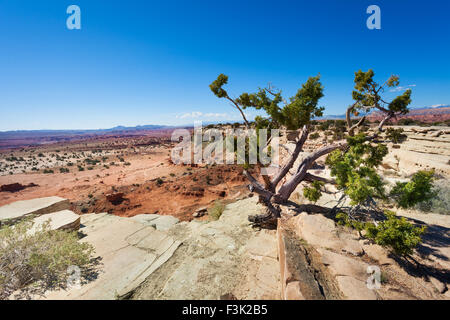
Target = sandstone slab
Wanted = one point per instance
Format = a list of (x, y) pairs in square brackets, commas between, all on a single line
[(61, 220), (322, 232), (39, 206), (354, 289), (130, 252)]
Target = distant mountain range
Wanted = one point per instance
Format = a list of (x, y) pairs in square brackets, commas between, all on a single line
[(437, 109)]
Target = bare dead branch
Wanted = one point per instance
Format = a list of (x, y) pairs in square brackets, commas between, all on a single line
[(240, 110), (298, 147), (257, 187), (310, 177)]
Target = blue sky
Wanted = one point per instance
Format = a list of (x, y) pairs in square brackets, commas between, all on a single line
[(150, 62)]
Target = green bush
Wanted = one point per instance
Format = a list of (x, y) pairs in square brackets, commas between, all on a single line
[(418, 189), (396, 233), (314, 136), (313, 194), (354, 169), (216, 211), (395, 135), (39, 261)]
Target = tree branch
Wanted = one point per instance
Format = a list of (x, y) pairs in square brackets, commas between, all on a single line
[(298, 147), (383, 122), (286, 190), (310, 177), (257, 187), (240, 110)]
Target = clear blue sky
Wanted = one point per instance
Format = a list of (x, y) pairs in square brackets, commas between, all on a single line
[(150, 62)]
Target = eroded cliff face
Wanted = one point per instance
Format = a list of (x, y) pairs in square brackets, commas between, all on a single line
[(425, 148), (320, 260)]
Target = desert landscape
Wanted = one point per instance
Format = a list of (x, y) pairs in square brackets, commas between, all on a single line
[(122, 182), (209, 159)]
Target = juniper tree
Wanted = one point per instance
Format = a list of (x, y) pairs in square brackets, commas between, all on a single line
[(353, 160)]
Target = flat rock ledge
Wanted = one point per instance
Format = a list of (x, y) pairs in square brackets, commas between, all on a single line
[(20, 209)]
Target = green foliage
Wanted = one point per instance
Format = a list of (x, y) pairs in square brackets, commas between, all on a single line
[(354, 169), (314, 136), (216, 86), (344, 220), (396, 233), (159, 182), (418, 189), (313, 194), (395, 135), (40, 258), (299, 111), (216, 211), (367, 94)]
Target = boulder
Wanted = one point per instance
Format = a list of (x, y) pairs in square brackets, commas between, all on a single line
[(20, 209), (61, 220)]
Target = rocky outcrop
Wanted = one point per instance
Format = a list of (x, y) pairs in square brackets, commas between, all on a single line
[(424, 148), (61, 220), (218, 260), (129, 251), (20, 209), (320, 260)]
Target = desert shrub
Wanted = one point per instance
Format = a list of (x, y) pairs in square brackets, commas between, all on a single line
[(216, 211), (355, 169), (314, 136), (418, 189), (440, 203), (396, 233), (395, 135), (40, 260), (344, 220), (159, 181), (313, 193), (48, 171), (64, 170)]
